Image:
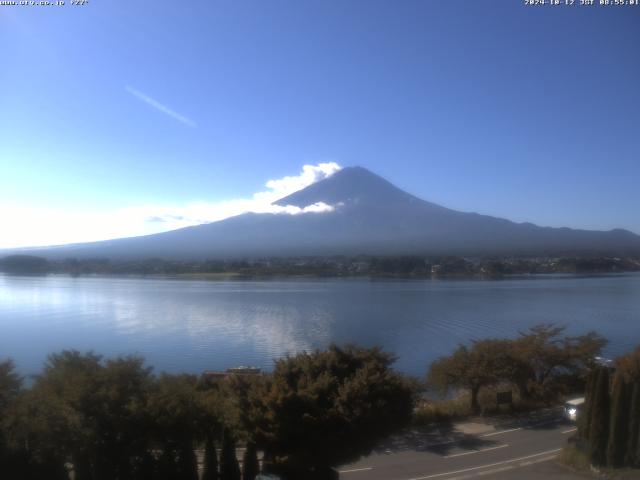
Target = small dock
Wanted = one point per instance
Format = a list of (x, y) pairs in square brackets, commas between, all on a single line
[(213, 375)]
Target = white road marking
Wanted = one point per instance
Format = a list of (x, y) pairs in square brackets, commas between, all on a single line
[(537, 460), (489, 472), (503, 469), (571, 430), (480, 467), (501, 431), (482, 474), (476, 451), (364, 469)]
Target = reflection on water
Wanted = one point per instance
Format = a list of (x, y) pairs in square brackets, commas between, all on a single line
[(184, 325)]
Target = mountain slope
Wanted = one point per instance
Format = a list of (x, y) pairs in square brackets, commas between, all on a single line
[(371, 216)]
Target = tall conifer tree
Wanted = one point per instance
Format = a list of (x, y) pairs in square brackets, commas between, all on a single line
[(584, 420), (599, 424), (187, 462), (634, 425), (636, 463), (229, 468), (619, 424), (210, 461), (250, 465)]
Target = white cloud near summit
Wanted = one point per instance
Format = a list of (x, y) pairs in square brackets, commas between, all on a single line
[(260, 202), (37, 227)]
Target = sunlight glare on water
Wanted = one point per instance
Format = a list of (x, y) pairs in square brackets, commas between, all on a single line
[(189, 325)]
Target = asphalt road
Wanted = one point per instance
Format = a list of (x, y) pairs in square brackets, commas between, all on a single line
[(508, 451)]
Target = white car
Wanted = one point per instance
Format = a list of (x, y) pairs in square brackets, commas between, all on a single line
[(573, 408)]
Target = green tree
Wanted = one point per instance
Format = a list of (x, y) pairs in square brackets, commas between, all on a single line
[(176, 410), (326, 408), (487, 362), (544, 353), (238, 404), (619, 424), (121, 417), (629, 366), (599, 424), (10, 385), (68, 392), (35, 432), (90, 413), (11, 459)]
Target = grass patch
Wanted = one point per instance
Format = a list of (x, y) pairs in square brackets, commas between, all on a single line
[(575, 459), (459, 406), (456, 408), (441, 411), (578, 460)]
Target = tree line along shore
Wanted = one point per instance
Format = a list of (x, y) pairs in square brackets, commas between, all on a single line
[(337, 266), (91, 418)]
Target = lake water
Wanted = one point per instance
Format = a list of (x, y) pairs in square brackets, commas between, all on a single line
[(192, 325)]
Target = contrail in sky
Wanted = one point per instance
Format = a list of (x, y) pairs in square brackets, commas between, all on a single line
[(158, 106)]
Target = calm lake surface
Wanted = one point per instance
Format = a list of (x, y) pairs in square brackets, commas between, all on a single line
[(192, 325)]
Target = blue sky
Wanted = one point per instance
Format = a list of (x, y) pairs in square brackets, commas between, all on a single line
[(528, 113)]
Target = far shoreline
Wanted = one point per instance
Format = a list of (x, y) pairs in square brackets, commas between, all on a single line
[(241, 277), (359, 266)]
